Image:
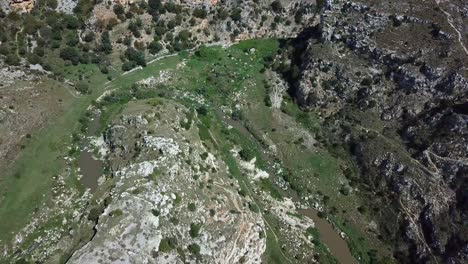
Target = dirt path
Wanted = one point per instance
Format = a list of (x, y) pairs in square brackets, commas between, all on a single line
[(451, 23), (418, 232), (16, 40), (242, 222)]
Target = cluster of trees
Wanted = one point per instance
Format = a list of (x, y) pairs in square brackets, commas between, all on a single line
[(133, 58), (44, 33)]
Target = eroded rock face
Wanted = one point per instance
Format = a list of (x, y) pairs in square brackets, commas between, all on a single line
[(404, 68), (173, 200)]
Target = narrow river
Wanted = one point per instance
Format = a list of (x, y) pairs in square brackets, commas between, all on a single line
[(328, 235)]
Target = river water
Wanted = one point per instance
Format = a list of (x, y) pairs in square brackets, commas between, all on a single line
[(90, 168), (328, 235)]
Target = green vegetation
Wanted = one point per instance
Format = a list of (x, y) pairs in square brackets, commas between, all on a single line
[(195, 230), (194, 249), (192, 207), (167, 244)]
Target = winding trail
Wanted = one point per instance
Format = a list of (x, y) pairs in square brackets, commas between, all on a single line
[(452, 24), (418, 164)]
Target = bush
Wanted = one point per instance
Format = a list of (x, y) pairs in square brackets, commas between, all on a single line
[(106, 45), (222, 14), (82, 87), (154, 5), (362, 209), (277, 6), (71, 54), (192, 207), (89, 36), (12, 59), (184, 35), (194, 230), (202, 110), (236, 14), (119, 10), (254, 208), (137, 57), (246, 154), (72, 39), (71, 22), (154, 47), (94, 214), (194, 249), (167, 244), (155, 212), (128, 65), (200, 13)]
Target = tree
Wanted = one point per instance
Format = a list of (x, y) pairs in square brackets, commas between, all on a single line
[(136, 56), (222, 14), (12, 59), (194, 248), (128, 65), (200, 13), (194, 230), (277, 6), (71, 22), (155, 47), (106, 45), (72, 39), (154, 5), (82, 87), (246, 154), (236, 14), (89, 36), (71, 54), (31, 24), (184, 35), (118, 10), (52, 4)]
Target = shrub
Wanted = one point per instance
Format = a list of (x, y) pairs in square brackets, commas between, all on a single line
[(362, 209), (277, 6), (194, 249), (94, 214), (222, 14), (254, 208), (119, 10), (155, 212), (71, 54), (12, 59), (106, 45), (154, 47), (236, 14), (71, 22), (89, 36), (192, 207), (137, 57), (184, 35), (167, 244), (200, 13), (82, 87), (246, 154), (194, 230)]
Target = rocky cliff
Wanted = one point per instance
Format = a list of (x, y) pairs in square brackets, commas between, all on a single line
[(390, 79)]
